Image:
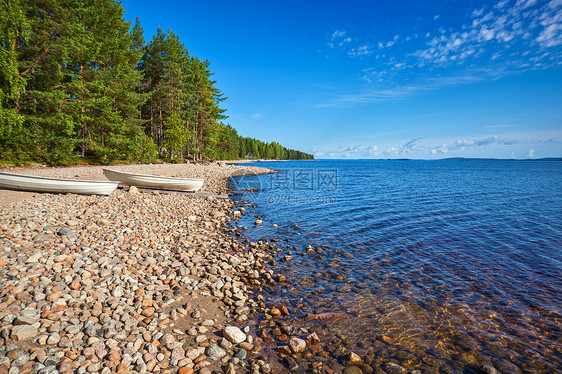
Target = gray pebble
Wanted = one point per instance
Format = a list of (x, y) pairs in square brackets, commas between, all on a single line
[(65, 231)]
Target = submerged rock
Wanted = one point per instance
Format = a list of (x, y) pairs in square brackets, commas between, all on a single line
[(297, 345), (392, 368), (487, 369), (352, 370)]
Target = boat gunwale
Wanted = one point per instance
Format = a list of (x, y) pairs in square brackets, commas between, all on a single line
[(57, 179), (125, 173)]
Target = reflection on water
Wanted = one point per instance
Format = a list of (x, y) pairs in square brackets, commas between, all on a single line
[(435, 265)]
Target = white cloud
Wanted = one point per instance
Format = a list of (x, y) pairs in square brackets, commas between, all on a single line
[(396, 93), (522, 4), (257, 116), (361, 151), (373, 150), (464, 144), (496, 40), (502, 4), (555, 4), (523, 29), (443, 149), (551, 35), (521, 144), (389, 43), (486, 34), (360, 51), (477, 12), (338, 39)]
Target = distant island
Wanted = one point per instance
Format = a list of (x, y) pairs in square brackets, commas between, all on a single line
[(474, 159), (461, 159), (502, 159), (77, 85)]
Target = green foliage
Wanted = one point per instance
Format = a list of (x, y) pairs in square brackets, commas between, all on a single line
[(13, 28), (78, 83), (176, 136)]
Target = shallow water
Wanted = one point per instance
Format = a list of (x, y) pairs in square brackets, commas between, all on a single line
[(432, 264)]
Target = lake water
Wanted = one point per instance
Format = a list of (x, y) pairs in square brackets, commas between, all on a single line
[(440, 265)]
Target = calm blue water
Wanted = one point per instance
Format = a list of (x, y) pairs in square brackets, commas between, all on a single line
[(457, 260)]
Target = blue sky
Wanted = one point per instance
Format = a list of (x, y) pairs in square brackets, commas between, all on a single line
[(381, 79)]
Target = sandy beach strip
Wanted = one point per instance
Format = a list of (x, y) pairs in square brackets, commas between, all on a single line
[(214, 173), (131, 282)]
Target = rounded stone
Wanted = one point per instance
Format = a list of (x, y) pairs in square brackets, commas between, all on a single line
[(54, 339), (392, 368), (24, 332), (352, 370), (21, 360), (118, 291), (215, 352), (233, 334), (241, 354), (487, 369), (297, 345), (65, 231), (167, 339)]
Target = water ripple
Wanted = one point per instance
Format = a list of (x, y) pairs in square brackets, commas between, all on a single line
[(441, 257)]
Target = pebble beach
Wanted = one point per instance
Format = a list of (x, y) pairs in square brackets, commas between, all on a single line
[(135, 282), (152, 281)]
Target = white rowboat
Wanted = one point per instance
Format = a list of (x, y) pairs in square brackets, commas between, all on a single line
[(154, 181), (57, 185)]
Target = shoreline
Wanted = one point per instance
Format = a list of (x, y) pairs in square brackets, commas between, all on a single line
[(133, 282), (212, 172), (166, 282)]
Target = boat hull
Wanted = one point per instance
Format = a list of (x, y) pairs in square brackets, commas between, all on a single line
[(33, 183), (154, 181)]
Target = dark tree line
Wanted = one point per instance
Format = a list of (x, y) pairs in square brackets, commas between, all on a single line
[(77, 83)]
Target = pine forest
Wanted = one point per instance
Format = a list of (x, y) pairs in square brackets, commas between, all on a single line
[(79, 84)]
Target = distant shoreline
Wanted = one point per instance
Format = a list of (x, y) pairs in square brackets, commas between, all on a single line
[(442, 159)]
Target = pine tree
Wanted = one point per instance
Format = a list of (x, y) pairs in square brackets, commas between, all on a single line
[(205, 110), (105, 83), (14, 28), (137, 35), (76, 82), (43, 57), (165, 67), (81, 76)]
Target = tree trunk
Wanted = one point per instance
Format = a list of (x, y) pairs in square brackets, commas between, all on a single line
[(151, 112), (151, 119), (160, 124), (83, 151)]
